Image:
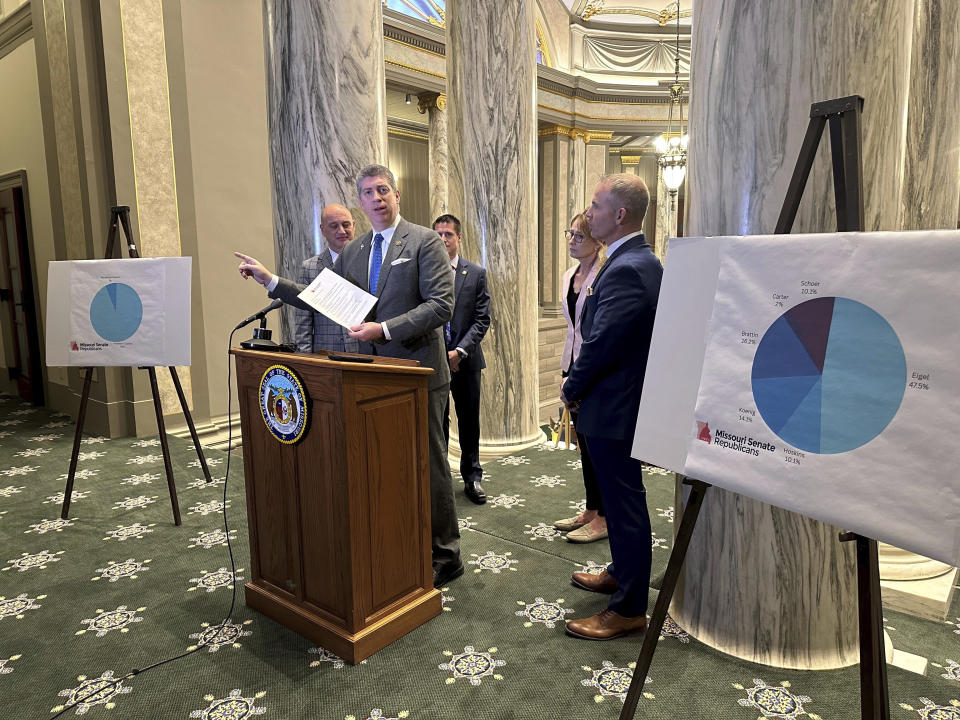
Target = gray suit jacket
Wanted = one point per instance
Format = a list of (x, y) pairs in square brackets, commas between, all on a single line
[(311, 330), (414, 294)]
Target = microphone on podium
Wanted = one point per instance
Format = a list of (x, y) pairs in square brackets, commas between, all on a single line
[(261, 335)]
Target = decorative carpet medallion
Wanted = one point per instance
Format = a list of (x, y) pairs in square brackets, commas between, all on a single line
[(45, 526), (4, 670), (11, 490), (214, 506), (445, 600), (93, 440), (956, 625), (19, 470), (16, 607), (32, 452), (57, 498), (514, 460), (11, 423), (28, 561), (594, 568), (107, 620), (493, 562), (507, 501), (132, 503), (377, 714), (550, 481), (467, 523), (575, 464), (952, 669), (90, 455), (214, 637), (932, 711), (672, 630), (90, 693), (83, 474), (141, 479), (209, 539), (775, 701), (47, 437), (658, 543), (211, 581), (153, 442), (201, 483), (144, 459), (578, 506), (232, 707), (472, 665), (125, 532), (543, 612), (325, 656), (666, 513), (654, 470), (612, 681), (126, 569), (541, 531)]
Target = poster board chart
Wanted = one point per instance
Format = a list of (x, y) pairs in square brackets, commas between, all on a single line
[(120, 220), (845, 134)]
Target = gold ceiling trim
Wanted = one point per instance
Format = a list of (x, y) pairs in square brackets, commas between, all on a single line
[(574, 133), (598, 117), (414, 69), (407, 133)]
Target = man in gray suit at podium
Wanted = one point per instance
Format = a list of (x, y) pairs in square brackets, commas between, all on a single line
[(406, 266)]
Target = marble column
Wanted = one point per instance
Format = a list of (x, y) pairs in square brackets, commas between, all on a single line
[(491, 82), (667, 208), (327, 117), (761, 583), (596, 163), (554, 167), (434, 105), (576, 198), (931, 183)]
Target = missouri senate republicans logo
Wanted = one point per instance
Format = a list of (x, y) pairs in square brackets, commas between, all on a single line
[(283, 404)]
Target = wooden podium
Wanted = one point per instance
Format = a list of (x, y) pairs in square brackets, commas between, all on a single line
[(340, 521)]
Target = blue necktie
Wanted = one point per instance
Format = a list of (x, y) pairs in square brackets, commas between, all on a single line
[(376, 262)]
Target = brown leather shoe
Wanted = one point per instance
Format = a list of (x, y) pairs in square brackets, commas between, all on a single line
[(606, 625), (602, 583)]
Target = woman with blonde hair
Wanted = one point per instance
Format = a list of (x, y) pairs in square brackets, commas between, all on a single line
[(591, 524)]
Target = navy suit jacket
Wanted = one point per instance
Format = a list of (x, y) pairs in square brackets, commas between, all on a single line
[(471, 314), (616, 324)]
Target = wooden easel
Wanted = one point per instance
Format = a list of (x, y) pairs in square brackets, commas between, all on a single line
[(120, 219), (845, 146)]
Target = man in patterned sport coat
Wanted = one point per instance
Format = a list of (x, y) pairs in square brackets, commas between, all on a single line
[(313, 331)]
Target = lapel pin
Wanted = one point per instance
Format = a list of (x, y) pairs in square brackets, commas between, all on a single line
[(463, 272)]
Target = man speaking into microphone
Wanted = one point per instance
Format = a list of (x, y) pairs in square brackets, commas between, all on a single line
[(407, 268)]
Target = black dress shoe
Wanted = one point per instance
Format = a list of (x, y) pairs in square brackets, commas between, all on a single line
[(474, 492), (445, 573)]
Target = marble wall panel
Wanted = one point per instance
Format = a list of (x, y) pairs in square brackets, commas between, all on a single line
[(931, 182), (492, 188), (576, 176), (327, 116), (596, 168)]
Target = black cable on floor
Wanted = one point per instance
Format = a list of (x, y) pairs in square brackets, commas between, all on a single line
[(233, 567)]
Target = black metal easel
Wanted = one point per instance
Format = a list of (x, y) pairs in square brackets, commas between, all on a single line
[(120, 219), (845, 149)]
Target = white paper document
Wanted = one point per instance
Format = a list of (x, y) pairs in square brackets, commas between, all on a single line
[(338, 299), (821, 377)]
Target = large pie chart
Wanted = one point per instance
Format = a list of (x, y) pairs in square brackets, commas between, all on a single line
[(116, 312), (829, 375)]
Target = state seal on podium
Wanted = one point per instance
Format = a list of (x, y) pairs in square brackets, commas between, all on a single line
[(283, 404)]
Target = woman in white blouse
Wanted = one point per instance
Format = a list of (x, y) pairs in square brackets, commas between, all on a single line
[(591, 524)]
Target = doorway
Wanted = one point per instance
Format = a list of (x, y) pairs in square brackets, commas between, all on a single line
[(19, 325)]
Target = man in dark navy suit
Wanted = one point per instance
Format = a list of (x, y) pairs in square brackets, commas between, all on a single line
[(604, 384), (471, 318)]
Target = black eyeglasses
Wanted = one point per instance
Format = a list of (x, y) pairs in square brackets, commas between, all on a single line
[(574, 236)]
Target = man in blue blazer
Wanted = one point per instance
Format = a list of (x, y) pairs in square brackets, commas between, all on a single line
[(604, 384), (471, 318)]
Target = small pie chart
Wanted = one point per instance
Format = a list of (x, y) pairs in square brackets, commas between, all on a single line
[(829, 375), (116, 312)]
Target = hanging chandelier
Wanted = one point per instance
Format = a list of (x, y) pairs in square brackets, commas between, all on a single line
[(672, 146)]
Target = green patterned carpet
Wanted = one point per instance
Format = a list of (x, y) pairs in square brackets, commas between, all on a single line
[(119, 587)]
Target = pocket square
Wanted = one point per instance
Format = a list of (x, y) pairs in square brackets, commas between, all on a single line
[(400, 261)]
